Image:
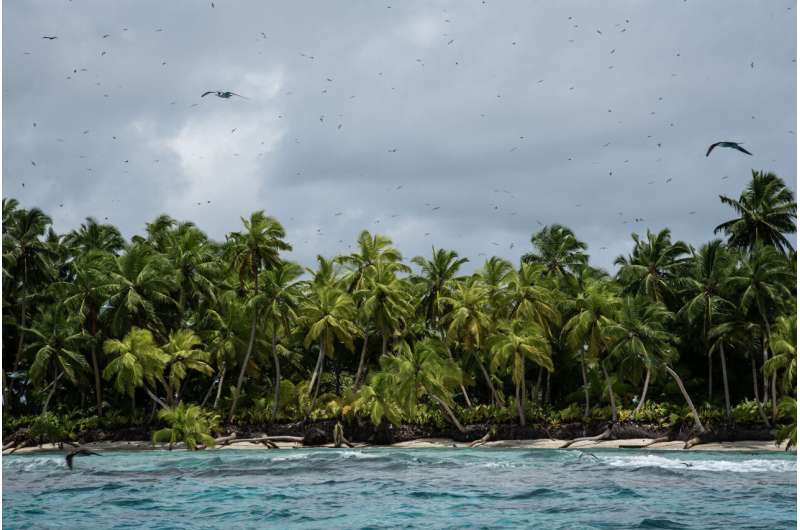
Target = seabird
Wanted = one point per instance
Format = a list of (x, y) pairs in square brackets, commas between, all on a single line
[(79, 452), (50, 37), (223, 95), (731, 145)]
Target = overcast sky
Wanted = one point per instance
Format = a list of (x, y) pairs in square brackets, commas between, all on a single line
[(493, 116)]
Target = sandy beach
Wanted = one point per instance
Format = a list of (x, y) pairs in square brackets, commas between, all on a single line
[(432, 443)]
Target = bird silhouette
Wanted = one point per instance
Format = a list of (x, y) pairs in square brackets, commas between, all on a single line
[(50, 37), (731, 145), (223, 95), (79, 452)]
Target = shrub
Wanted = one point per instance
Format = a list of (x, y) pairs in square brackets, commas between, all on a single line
[(189, 424), (746, 412)]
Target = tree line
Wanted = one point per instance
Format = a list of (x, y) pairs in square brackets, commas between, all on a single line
[(92, 322)]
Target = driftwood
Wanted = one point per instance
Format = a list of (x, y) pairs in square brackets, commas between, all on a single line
[(269, 441), (605, 435), (692, 442), (9, 445), (485, 438)]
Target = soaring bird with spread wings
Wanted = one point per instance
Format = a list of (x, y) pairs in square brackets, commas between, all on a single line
[(731, 145), (78, 452), (223, 95)]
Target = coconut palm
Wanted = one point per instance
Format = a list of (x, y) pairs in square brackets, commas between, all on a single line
[(761, 286), (372, 249), (187, 424), (95, 236), (56, 341), (418, 372), (183, 349), (511, 346), (141, 280), (139, 362), (654, 267), (328, 316), (496, 274), (558, 250), (705, 291), (766, 211), (585, 331), (783, 342), (195, 260), (281, 295), (225, 326), (250, 252), (436, 277)]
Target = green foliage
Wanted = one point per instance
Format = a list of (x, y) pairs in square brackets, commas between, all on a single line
[(49, 427), (788, 432), (746, 412), (188, 424)]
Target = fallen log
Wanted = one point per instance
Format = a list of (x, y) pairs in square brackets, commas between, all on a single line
[(605, 435), (485, 438), (692, 442)]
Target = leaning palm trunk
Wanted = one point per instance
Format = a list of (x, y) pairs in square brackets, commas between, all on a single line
[(723, 363), (277, 376), (461, 385), (52, 391), (695, 415), (219, 385), (610, 393), (644, 392), (495, 398), (449, 413), (360, 372), (317, 368), (244, 368), (710, 376), (96, 369), (208, 392)]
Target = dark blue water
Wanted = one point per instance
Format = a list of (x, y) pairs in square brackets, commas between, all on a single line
[(401, 488)]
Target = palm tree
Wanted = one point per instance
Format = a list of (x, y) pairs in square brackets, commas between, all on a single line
[(371, 250), (225, 325), (421, 371), (468, 323), (594, 311), (86, 293), (514, 343), (766, 209), (496, 274), (28, 259), (95, 236), (761, 285), (558, 250), (436, 276), (654, 267), (140, 280), (783, 341), (329, 316), (56, 341), (281, 299), (188, 424), (250, 252), (139, 362), (705, 290), (184, 355), (194, 259)]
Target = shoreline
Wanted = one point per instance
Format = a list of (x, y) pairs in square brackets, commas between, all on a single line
[(752, 446)]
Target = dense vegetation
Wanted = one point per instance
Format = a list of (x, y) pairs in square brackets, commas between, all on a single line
[(172, 325)]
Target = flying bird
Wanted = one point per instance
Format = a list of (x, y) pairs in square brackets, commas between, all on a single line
[(221, 94), (79, 452), (50, 37), (731, 145)]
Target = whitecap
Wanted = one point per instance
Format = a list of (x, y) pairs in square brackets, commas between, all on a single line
[(754, 465)]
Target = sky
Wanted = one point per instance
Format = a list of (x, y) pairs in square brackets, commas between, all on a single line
[(464, 124)]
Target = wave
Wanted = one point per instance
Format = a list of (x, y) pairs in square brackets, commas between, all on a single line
[(755, 465)]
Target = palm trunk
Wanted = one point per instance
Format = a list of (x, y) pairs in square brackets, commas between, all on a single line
[(208, 393), (764, 374), (449, 413), (547, 388), (774, 389), (585, 387), (316, 388), (52, 391), (219, 385), (495, 397), (644, 392), (610, 393), (461, 385), (723, 363), (317, 367), (710, 376), (696, 416), (537, 386), (755, 390), (155, 398), (277, 375), (244, 367), (521, 395), (360, 372), (20, 342), (96, 368)]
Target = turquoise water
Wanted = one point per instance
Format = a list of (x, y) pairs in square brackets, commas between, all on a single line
[(408, 488)]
